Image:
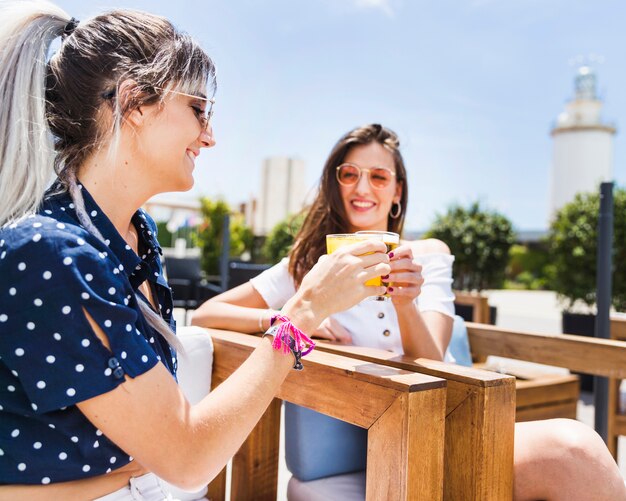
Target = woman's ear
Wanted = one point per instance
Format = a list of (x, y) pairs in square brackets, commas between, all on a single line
[(128, 92), (399, 188)]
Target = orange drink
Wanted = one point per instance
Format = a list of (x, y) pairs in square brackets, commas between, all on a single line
[(334, 242), (391, 240)]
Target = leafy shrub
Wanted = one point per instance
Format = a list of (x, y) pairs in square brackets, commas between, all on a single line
[(528, 267), (480, 241), (164, 236), (281, 238), (573, 242), (210, 234)]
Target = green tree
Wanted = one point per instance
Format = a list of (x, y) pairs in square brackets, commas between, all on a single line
[(480, 241), (164, 236), (281, 238), (210, 234), (528, 266), (573, 242)]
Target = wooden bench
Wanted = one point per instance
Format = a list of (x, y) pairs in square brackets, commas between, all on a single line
[(540, 394), (404, 413), (599, 357), (480, 410), (479, 424), (616, 419)]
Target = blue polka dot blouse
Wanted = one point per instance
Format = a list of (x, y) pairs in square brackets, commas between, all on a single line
[(50, 359)]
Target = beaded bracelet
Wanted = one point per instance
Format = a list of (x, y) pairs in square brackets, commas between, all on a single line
[(290, 339)]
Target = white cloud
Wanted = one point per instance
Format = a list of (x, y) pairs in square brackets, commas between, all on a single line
[(383, 5)]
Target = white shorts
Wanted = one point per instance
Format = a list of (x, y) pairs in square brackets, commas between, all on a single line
[(149, 487)]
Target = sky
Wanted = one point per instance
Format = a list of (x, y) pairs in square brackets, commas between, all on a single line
[(471, 87)]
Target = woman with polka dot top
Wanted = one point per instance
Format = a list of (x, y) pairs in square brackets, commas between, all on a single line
[(89, 405)]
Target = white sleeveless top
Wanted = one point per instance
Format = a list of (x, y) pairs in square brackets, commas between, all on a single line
[(371, 323)]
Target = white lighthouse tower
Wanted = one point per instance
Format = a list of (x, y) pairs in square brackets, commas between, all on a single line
[(583, 144)]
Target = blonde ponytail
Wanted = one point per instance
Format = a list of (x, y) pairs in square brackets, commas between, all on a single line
[(26, 152)]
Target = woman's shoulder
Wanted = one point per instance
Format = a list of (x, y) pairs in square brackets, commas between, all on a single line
[(44, 237), (428, 246)]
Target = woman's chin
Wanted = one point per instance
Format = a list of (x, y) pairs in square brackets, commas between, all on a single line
[(189, 184), (183, 184), (367, 223)]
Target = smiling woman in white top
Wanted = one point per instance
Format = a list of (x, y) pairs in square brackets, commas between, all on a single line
[(364, 187)]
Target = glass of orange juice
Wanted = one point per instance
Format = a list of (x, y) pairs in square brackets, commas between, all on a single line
[(335, 241)]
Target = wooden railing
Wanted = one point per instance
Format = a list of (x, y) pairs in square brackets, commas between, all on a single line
[(479, 426), (600, 357), (616, 418), (403, 411), (426, 439), (481, 405)]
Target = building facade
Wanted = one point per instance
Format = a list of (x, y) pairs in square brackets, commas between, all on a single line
[(283, 192)]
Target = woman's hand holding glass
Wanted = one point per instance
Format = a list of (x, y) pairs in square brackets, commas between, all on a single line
[(405, 279), (337, 281)]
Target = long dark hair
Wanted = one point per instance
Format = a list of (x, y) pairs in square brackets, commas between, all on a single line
[(327, 213)]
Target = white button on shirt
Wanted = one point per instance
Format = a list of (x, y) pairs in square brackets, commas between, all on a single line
[(369, 321)]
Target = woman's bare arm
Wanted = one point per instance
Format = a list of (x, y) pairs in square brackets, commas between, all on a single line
[(242, 309), (150, 419), (424, 334)]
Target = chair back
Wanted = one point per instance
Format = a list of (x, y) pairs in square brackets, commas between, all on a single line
[(240, 273), (186, 268), (459, 346), (339, 447)]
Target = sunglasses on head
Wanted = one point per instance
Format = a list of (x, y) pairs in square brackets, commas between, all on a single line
[(379, 177)]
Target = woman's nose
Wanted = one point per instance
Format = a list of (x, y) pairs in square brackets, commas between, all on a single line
[(363, 185), (206, 137)]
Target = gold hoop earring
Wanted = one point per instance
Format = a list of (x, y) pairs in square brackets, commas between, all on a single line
[(395, 214)]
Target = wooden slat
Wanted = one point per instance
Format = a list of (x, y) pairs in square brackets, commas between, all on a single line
[(400, 380), (479, 442), (451, 372), (620, 423), (405, 449), (480, 418), (618, 328), (353, 391), (618, 331), (612, 428), (217, 487), (547, 389), (601, 357), (547, 411), (255, 466)]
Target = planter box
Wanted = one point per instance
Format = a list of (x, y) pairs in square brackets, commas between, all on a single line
[(466, 312), (580, 324), (474, 307)]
